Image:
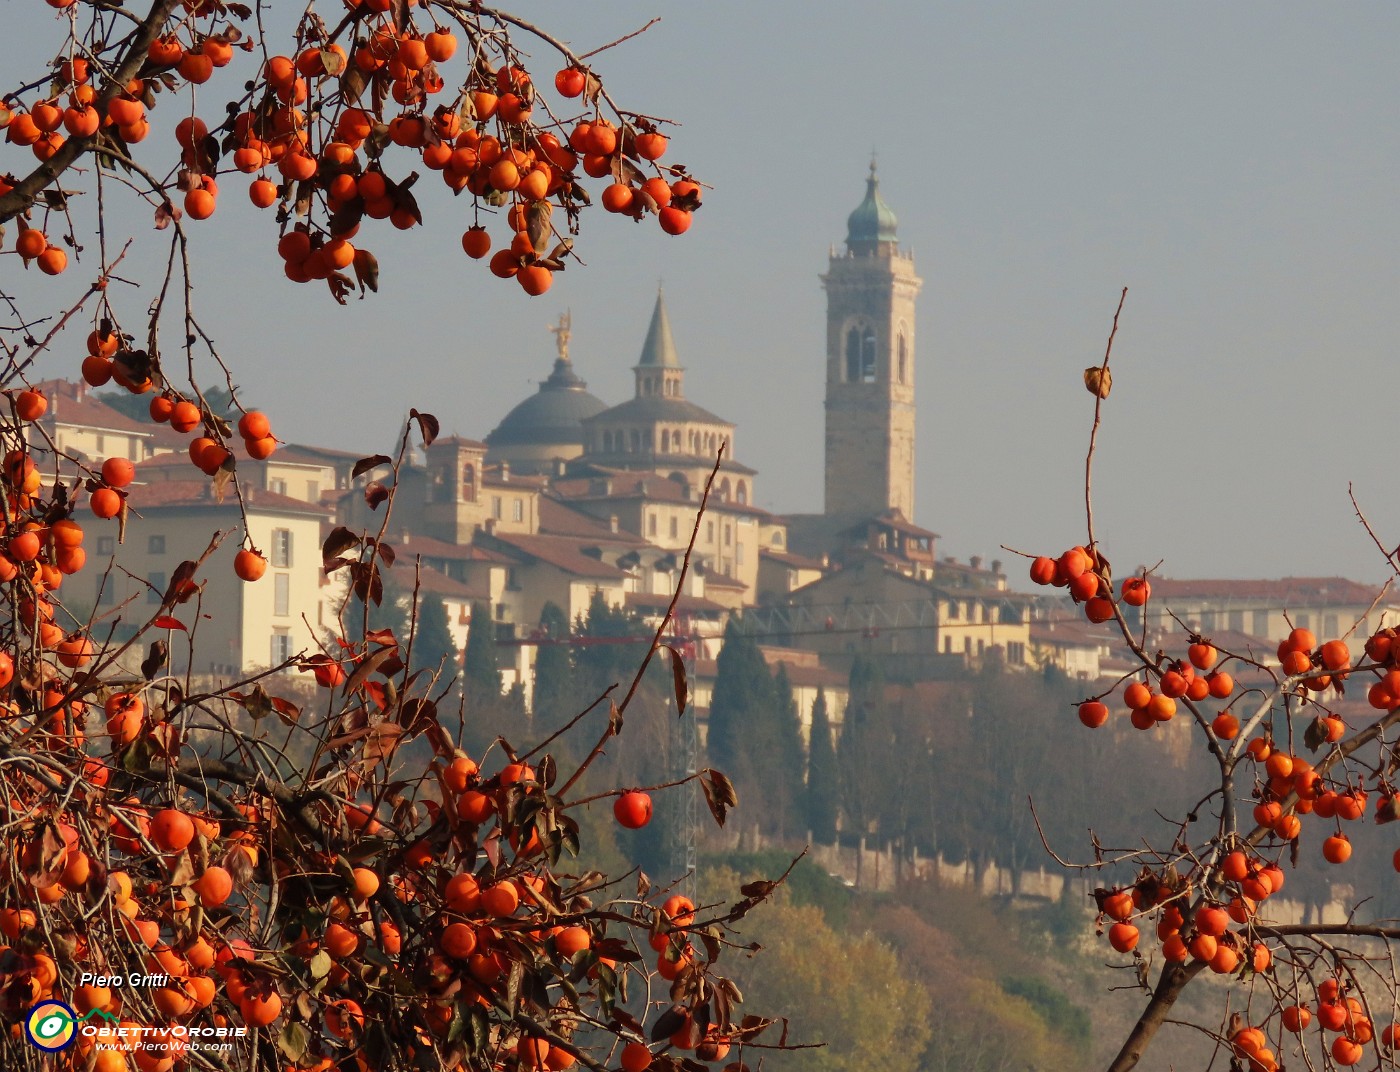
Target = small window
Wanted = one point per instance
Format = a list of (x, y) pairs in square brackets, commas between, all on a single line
[(867, 356), (675, 529), (313, 491), (282, 548), (281, 646), (903, 359), (738, 554), (741, 493), (281, 594), (1329, 625), (156, 593), (777, 539), (106, 545), (651, 524), (1303, 621), (1237, 621), (853, 356), (517, 510), (728, 534), (1260, 628), (948, 645), (1208, 620), (709, 532), (155, 545), (496, 507), (277, 487), (953, 614), (100, 443), (967, 645)]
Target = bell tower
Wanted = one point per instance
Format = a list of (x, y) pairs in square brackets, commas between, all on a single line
[(870, 293)]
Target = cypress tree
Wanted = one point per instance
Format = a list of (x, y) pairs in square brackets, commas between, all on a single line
[(786, 764), (743, 690), (433, 645), (823, 777), (555, 698), (865, 744), (481, 666)]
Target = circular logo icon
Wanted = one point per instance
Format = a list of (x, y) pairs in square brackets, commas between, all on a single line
[(51, 1026)]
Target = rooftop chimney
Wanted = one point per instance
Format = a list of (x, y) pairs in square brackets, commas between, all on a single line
[(975, 561), (505, 472), (996, 566), (490, 526)]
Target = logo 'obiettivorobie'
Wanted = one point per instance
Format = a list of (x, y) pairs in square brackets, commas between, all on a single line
[(51, 1026)]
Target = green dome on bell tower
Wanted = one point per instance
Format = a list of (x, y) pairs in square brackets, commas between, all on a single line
[(873, 223)]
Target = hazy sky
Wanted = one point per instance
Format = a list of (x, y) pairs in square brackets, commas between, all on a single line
[(1234, 165)]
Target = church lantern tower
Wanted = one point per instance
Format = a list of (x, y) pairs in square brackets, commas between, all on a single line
[(870, 293)]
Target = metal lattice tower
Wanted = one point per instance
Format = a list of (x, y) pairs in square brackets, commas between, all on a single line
[(684, 746)]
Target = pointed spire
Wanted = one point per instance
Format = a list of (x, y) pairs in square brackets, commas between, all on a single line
[(659, 351)]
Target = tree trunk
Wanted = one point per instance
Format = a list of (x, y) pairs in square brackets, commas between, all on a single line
[(1170, 984)]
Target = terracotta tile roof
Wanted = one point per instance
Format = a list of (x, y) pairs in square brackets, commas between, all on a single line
[(649, 487), (821, 677), (166, 439), (892, 519), (75, 403), (562, 552), (791, 561), (411, 544), (176, 494), (721, 580), (491, 477), (1068, 632), (559, 519), (169, 460), (657, 408), (458, 441), (326, 455), (657, 601), (440, 584), (1284, 592)]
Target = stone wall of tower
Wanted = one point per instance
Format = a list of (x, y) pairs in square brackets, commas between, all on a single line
[(453, 506), (870, 395)]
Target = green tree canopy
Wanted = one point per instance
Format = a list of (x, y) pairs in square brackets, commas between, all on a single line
[(556, 696), (823, 778), (433, 646)]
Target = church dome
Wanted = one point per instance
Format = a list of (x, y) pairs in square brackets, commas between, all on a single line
[(552, 416), (873, 221)]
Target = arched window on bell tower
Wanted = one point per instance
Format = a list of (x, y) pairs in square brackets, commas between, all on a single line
[(853, 355), (903, 359), (867, 356)]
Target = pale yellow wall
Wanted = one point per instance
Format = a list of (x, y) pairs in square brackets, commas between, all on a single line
[(735, 557), (235, 620), (297, 480), (504, 501), (97, 443), (1073, 660), (1259, 618)]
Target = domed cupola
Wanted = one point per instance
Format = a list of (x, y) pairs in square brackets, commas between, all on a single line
[(547, 425), (873, 224)]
